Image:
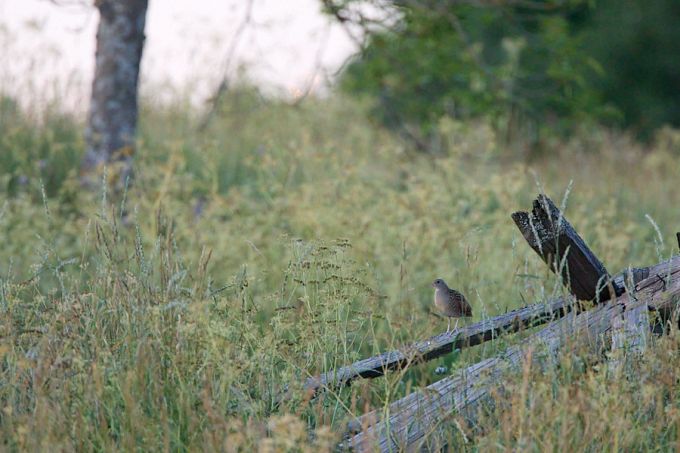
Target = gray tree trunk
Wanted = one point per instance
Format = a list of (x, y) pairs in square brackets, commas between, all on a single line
[(112, 121)]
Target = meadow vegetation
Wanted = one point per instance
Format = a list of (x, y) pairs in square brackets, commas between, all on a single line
[(284, 241)]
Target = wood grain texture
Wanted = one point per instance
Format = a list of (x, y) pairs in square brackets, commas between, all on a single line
[(553, 238), (630, 336)]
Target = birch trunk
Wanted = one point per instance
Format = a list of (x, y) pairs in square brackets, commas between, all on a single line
[(112, 121)]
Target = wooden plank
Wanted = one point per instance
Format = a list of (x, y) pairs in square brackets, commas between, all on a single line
[(629, 278), (631, 330), (554, 239), (419, 416), (630, 336)]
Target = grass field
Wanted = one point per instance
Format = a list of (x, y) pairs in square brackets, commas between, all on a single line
[(285, 241)]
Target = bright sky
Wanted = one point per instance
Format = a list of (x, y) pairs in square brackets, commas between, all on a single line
[(47, 47)]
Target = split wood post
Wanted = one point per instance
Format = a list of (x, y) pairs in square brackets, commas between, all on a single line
[(554, 239)]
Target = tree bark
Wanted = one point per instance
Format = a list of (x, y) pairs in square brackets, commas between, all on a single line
[(112, 121)]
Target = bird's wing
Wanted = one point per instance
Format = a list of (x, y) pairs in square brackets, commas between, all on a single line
[(457, 295)]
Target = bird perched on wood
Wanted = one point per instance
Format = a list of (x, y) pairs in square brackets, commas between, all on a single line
[(450, 302)]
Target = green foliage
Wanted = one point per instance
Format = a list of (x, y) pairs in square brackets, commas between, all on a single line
[(465, 60), (529, 67), (636, 41), (46, 149), (283, 242)]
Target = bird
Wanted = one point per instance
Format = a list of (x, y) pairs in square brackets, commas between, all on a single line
[(451, 303)]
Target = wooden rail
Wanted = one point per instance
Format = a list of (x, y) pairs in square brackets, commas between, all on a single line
[(554, 239)]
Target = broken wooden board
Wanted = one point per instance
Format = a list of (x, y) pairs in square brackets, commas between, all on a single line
[(554, 239)]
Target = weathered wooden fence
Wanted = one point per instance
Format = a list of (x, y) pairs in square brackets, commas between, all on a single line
[(618, 323)]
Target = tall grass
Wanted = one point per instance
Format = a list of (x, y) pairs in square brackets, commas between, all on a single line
[(285, 241)]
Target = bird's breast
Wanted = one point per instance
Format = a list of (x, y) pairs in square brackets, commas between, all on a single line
[(443, 302)]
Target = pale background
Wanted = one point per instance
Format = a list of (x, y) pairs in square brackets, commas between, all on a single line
[(289, 47)]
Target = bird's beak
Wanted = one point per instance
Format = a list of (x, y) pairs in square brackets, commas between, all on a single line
[(433, 285)]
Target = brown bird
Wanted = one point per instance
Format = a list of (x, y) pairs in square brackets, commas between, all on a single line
[(450, 302)]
